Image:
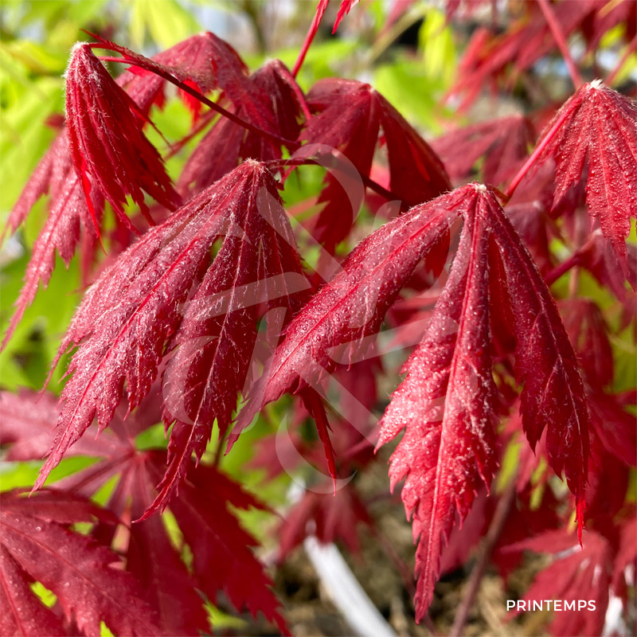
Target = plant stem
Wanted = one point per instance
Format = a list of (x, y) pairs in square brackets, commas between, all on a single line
[(538, 150), (163, 72), (307, 161), (632, 47), (309, 38), (560, 40), (473, 585)]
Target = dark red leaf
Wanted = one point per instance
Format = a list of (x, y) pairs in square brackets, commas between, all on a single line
[(446, 405), (502, 142), (330, 518), (36, 545), (575, 574), (106, 140), (204, 60), (349, 117), (163, 292), (588, 332), (271, 100)]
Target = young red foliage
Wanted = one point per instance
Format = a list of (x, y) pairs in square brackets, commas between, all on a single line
[(330, 518), (595, 129), (62, 231), (270, 99), (502, 142), (446, 404), (106, 140), (208, 63), (164, 293), (348, 118), (37, 544)]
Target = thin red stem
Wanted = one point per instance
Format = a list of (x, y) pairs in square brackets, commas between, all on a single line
[(367, 181), (166, 75), (562, 268), (561, 42), (632, 47), (309, 38), (538, 151)]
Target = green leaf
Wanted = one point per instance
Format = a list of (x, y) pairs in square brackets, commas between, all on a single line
[(166, 21)]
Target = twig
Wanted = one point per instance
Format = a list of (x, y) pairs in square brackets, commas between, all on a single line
[(307, 161), (164, 72), (473, 585), (560, 40), (309, 38), (632, 47)]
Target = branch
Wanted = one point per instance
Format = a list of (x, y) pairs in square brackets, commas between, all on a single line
[(560, 40), (632, 47)]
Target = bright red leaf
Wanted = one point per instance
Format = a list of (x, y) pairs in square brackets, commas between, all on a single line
[(596, 130), (446, 405), (106, 138), (164, 292)]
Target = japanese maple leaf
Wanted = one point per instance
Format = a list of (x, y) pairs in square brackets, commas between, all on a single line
[(37, 545), (502, 142), (488, 57), (454, 358), (337, 324), (588, 333), (67, 222), (575, 573), (106, 140), (597, 128), (223, 558), (446, 405), (163, 292), (349, 117), (272, 100), (169, 587), (27, 426), (204, 60), (344, 8)]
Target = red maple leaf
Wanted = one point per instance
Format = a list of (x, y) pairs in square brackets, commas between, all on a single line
[(38, 545), (446, 405), (502, 142), (163, 293), (575, 573), (106, 140), (206, 61), (595, 129), (272, 100), (349, 117), (222, 549), (448, 401)]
